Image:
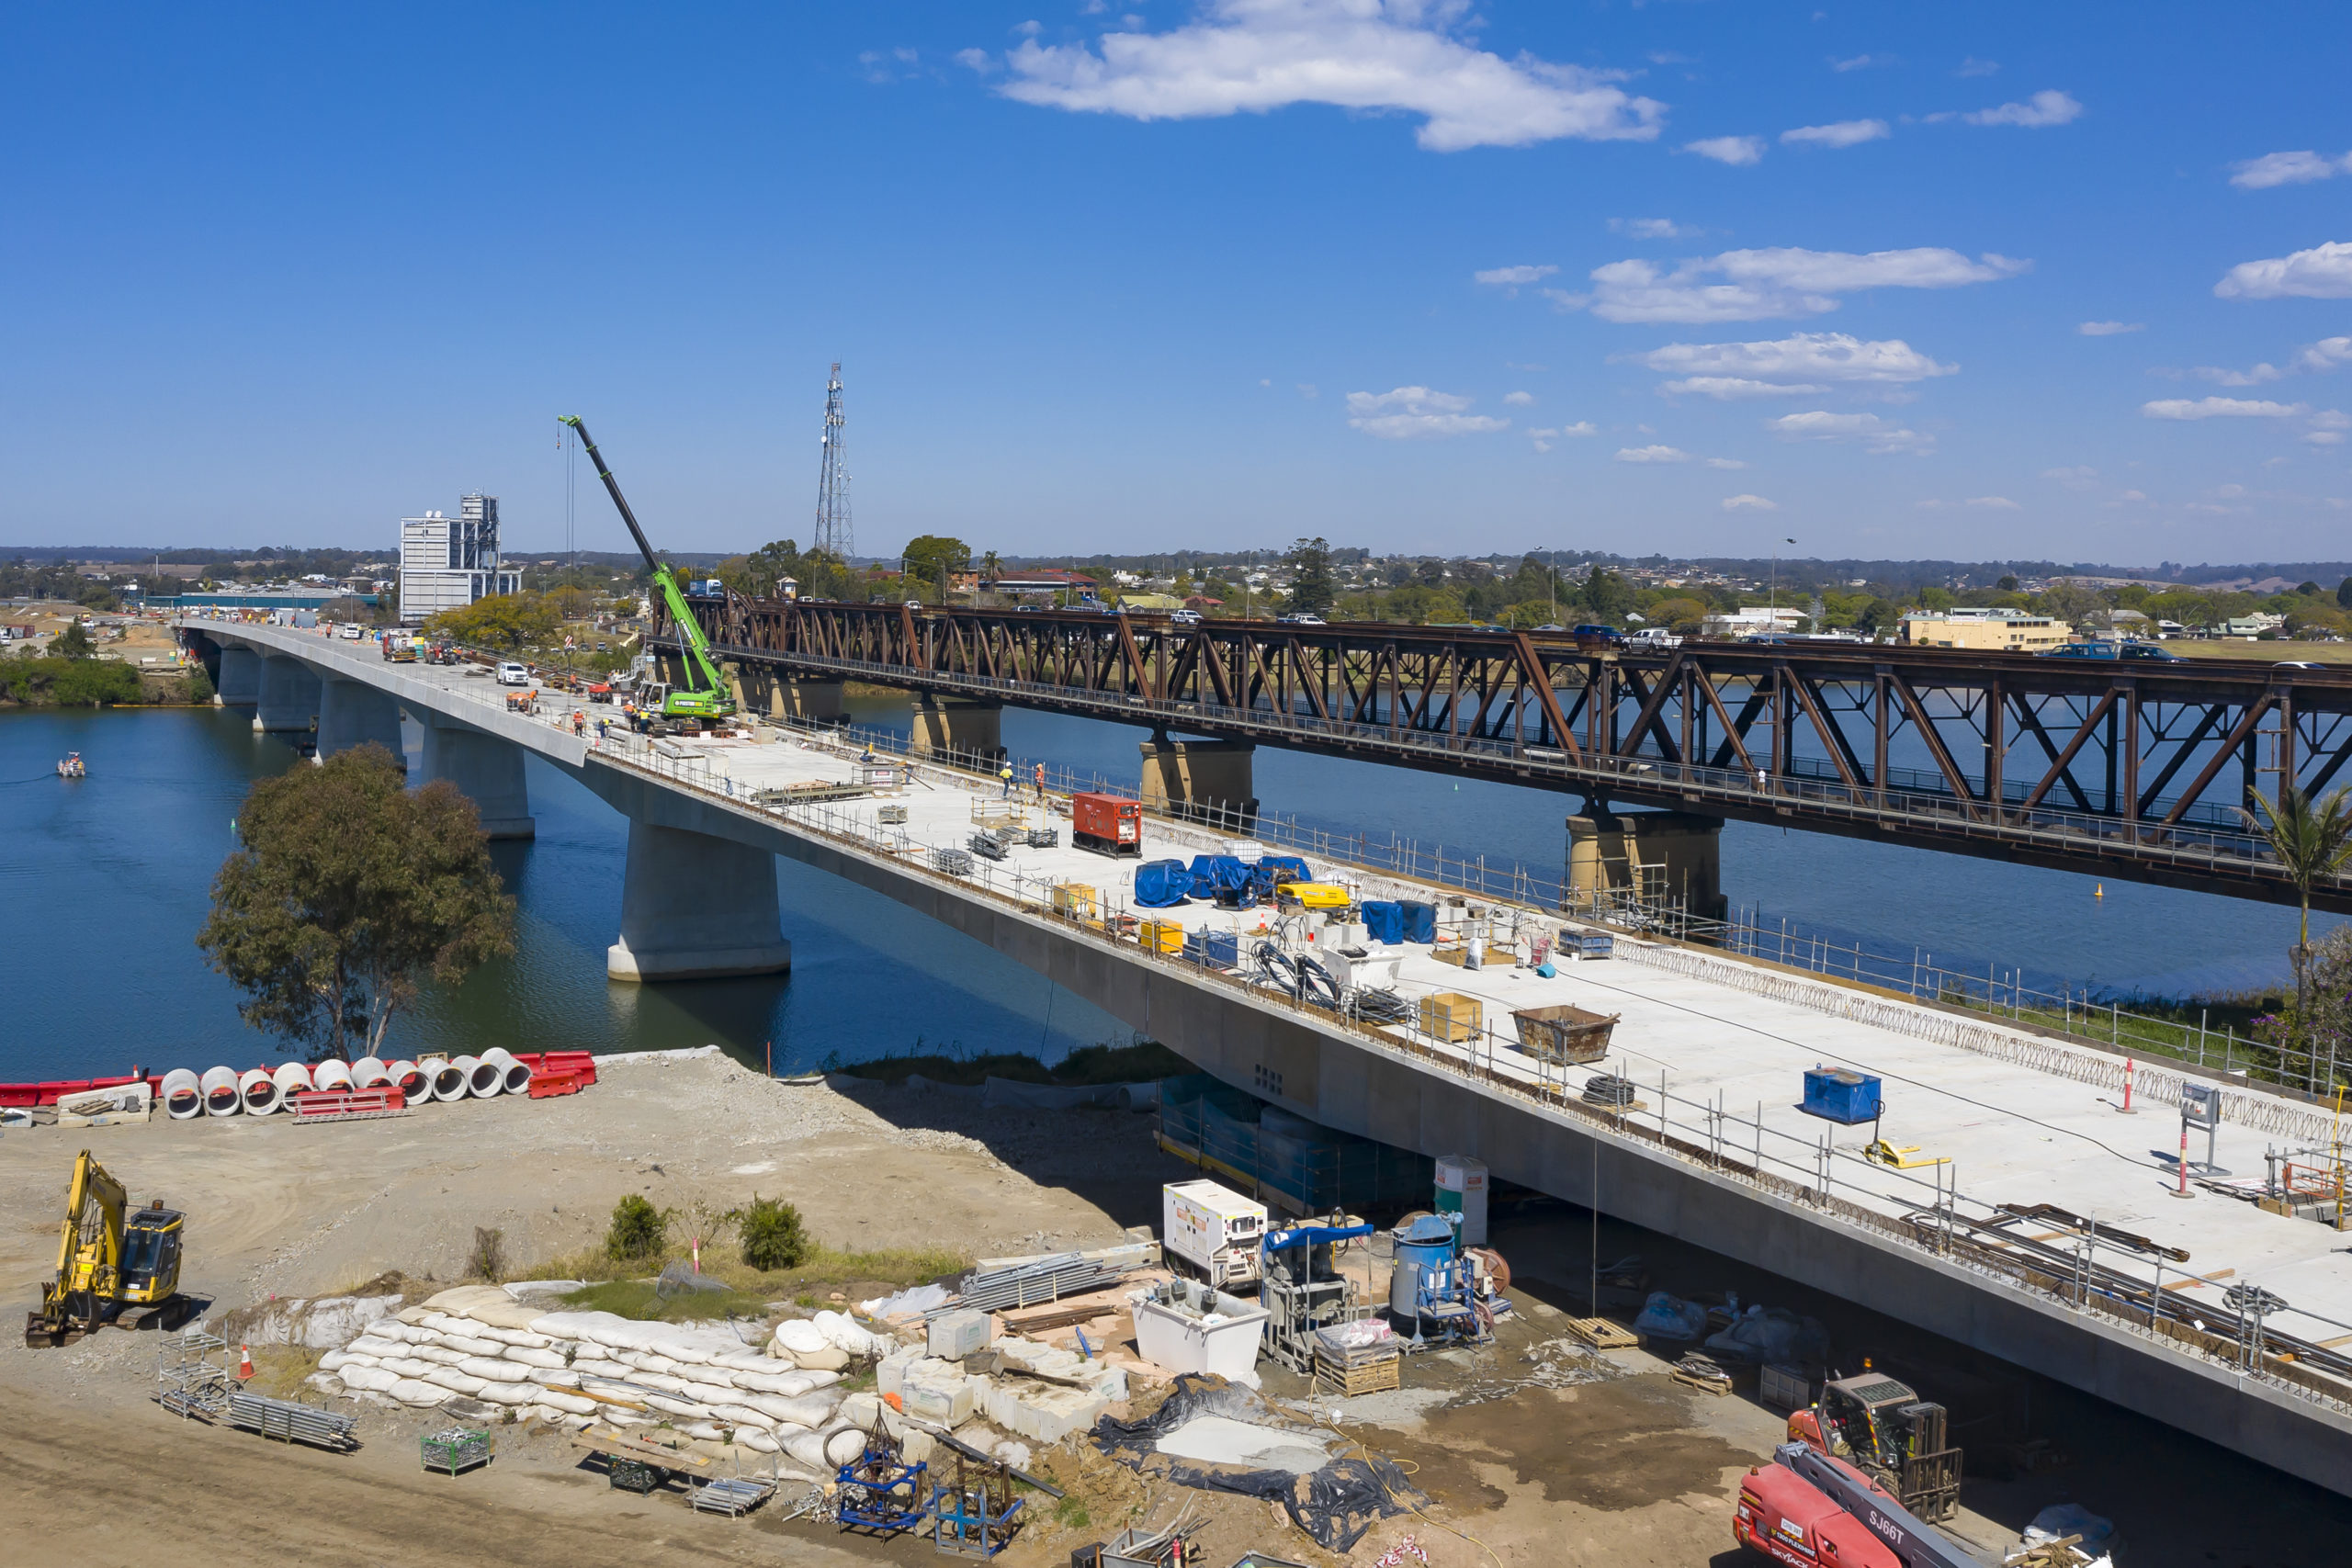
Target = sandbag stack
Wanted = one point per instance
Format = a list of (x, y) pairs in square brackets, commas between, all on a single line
[(575, 1368)]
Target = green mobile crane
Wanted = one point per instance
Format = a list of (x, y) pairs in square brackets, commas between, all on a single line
[(703, 695)]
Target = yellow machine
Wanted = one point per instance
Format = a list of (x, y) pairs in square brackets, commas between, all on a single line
[(106, 1259), (1311, 896)]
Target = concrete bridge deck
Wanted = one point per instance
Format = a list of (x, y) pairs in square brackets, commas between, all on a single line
[(1716, 1153)]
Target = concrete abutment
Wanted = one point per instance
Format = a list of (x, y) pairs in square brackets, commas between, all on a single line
[(959, 727), (1669, 856), (485, 770), (774, 695), (1211, 781), (695, 906)]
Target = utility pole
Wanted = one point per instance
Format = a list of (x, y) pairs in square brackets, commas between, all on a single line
[(834, 535), (1773, 602)]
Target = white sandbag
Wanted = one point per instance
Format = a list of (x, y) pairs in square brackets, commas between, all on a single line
[(670, 1404), (790, 1384), (456, 1382), (522, 1339), (375, 1346), (708, 1431), (471, 1345), (743, 1416), (822, 1378), (745, 1362), (509, 1392), (568, 1404), (376, 1379), (492, 1370), (662, 1381), (459, 1297), (614, 1415), (809, 1410), (798, 1334), (555, 1377), (829, 1360), (335, 1360), (845, 1446), (596, 1366), (649, 1361), (416, 1391), (524, 1355), (809, 1448), (406, 1366), (773, 1407), (441, 1354), (843, 1334), (713, 1394), (759, 1442), (786, 1430)]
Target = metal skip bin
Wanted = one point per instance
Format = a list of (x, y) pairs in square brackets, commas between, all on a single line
[(1563, 1035)]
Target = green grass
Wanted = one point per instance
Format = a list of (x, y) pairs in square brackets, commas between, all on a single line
[(627, 1289), (636, 1298), (2164, 1026)]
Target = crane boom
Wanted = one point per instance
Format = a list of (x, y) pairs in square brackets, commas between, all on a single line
[(1914, 1543), (707, 695)]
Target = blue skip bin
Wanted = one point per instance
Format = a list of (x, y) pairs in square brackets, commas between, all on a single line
[(1838, 1094)]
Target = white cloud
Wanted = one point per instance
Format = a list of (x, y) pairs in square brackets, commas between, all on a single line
[(1518, 399), (1863, 62), (2077, 477), (2222, 377), (1750, 504), (1971, 66), (1512, 276), (1652, 455), (1544, 439), (2287, 169), (1255, 56), (2219, 408), (2324, 437), (1581, 427), (1875, 434), (2333, 419), (2323, 271), (2044, 108), (1844, 133), (978, 60), (1991, 503), (1800, 363), (1726, 463), (1766, 284), (2134, 495), (1416, 414), (2111, 329), (1728, 388), (1738, 151), (1650, 229), (2327, 353)]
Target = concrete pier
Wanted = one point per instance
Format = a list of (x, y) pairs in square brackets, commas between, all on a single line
[(1672, 855), (240, 682), (1211, 781), (762, 691), (289, 699), (353, 714), (695, 906), (959, 727), (486, 769)]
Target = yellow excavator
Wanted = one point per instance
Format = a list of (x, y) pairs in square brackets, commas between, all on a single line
[(107, 1260)]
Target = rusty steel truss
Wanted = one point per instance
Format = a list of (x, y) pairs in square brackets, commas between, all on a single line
[(2134, 769)]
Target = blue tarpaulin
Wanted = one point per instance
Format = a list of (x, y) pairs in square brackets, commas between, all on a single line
[(1162, 883), (1383, 921), (1420, 921), (1273, 870), (1211, 873)]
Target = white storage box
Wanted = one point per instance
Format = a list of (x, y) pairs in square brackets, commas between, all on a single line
[(1223, 1339)]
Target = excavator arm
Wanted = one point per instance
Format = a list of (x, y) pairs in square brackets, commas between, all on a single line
[(89, 1254), (708, 698)]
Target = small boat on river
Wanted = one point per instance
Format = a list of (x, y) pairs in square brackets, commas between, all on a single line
[(70, 766)]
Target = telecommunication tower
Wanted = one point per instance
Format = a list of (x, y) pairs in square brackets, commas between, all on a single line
[(834, 535)]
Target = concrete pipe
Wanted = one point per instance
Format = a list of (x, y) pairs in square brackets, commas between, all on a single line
[(291, 1078), (332, 1076), (409, 1078), (446, 1079), (370, 1073), (483, 1080), (221, 1094), (513, 1076), (259, 1092), (183, 1097)]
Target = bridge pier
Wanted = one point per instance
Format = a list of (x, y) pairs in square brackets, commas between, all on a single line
[(240, 682), (486, 771), (695, 906), (1652, 854), (773, 695), (963, 728), (289, 698), (1212, 780), (352, 712)]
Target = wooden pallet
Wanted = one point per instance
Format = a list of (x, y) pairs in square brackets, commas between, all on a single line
[(1602, 1334), (1716, 1384), (1370, 1377)]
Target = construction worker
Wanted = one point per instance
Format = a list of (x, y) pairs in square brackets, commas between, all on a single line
[(578, 721), (1041, 783), (1005, 773)]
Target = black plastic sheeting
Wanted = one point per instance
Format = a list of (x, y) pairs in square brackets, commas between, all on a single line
[(1335, 1505)]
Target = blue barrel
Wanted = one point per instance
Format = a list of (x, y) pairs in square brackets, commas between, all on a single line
[(1427, 1242)]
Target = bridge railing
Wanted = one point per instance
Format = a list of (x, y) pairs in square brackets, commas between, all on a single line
[(2205, 847), (1931, 1214)]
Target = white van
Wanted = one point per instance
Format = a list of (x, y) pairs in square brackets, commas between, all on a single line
[(512, 674)]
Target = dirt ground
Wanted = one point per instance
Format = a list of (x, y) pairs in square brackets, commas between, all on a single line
[(1529, 1452)]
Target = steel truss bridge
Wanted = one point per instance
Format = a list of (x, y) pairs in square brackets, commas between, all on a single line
[(2136, 770)]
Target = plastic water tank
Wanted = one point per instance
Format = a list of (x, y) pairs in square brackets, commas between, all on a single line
[(1462, 1189), (1427, 1242)]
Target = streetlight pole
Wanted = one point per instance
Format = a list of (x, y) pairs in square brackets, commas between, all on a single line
[(1774, 601)]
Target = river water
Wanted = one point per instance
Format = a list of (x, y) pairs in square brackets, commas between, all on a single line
[(104, 882)]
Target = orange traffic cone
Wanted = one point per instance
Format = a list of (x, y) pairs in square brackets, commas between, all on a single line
[(244, 1364)]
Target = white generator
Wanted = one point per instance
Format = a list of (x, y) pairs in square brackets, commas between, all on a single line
[(1213, 1232)]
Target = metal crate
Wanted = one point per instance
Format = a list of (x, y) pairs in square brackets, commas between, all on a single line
[(988, 846), (891, 815), (293, 1422), (1563, 1035), (954, 863), (1042, 838), (454, 1449)]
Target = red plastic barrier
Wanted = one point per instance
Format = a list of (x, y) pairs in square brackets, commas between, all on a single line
[(546, 1086), (334, 1105)]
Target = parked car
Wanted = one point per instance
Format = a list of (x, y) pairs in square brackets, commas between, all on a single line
[(1302, 618), (1184, 617), (2298, 664), (512, 674), (1599, 636), (2139, 652)]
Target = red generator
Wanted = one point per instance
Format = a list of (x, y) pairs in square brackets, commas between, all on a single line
[(1106, 824)]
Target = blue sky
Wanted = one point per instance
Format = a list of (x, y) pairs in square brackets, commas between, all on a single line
[(1691, 276)]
